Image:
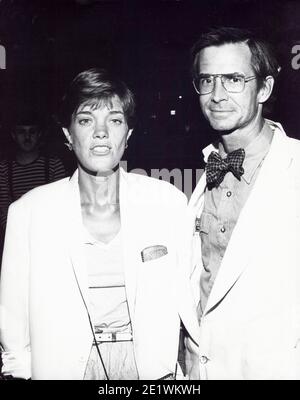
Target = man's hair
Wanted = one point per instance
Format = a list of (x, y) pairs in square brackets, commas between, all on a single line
[(30, 119), (263, 59), (95, 87)]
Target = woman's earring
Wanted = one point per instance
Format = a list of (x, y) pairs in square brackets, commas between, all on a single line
[(69, 146), (126, 145)]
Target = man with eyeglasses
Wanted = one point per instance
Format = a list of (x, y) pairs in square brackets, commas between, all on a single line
[(245, 218)]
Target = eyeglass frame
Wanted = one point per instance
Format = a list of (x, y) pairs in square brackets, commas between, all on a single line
[(246, 79)]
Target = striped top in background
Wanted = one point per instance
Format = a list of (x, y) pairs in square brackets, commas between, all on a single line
[(17, 179)]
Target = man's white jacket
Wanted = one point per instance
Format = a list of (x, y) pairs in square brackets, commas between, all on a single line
[(250, 328)]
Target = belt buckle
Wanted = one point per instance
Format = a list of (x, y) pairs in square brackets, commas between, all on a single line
[(104, 337), (113, 337)]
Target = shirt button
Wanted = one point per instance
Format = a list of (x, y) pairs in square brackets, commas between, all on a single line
[(223, 229), (228, 193), (203, 359)]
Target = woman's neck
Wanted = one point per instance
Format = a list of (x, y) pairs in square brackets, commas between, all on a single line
[(99, 190)]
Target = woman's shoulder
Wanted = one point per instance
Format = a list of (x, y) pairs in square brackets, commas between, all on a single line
[(46, 191), (150, 185)]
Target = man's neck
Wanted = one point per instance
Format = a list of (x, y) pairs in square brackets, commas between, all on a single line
[(27, 158), (240, 138)]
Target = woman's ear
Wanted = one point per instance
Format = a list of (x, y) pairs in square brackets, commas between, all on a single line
[(67, 135), (266, 90), (129, 134)]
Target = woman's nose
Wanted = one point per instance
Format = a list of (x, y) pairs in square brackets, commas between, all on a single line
[(101, 131)]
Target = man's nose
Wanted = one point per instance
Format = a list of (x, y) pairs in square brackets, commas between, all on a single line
[(219, 93)]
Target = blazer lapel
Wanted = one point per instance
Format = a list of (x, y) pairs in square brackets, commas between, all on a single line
[(255, 219), (75, 236), (195, 208), (129, 233), (197, 200)]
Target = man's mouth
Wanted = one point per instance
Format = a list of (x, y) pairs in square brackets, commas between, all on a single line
[(219, 111)]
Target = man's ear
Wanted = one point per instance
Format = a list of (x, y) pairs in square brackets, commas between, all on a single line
[(266, 90), (67, 135)]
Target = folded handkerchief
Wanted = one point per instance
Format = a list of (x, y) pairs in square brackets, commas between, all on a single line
[(153, 252)]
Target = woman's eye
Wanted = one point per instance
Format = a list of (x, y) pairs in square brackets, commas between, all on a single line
[(116, 121), (84, 121)]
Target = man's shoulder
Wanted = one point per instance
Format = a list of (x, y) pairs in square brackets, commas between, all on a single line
[(54, 161), (290, 143), (4, 163), (293, 148), (294, 144)]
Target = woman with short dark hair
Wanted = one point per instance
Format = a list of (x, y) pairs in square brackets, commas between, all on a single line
[(94, 273)]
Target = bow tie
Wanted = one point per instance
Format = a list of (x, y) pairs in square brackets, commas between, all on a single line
[(217, 168)]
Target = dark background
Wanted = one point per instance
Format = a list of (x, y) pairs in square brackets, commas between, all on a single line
[(147, 43)]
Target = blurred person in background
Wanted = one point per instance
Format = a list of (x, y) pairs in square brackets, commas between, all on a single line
[(27, 168)]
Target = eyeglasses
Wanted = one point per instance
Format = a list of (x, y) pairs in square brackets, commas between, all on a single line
[(232, 83)]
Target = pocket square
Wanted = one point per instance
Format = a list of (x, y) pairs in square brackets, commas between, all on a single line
[(153, 252)]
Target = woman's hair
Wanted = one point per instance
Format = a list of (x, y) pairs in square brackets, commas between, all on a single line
[(263, 59), (95, 87)]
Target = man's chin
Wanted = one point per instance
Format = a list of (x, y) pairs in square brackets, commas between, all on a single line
[(28, 149), (224, 127)]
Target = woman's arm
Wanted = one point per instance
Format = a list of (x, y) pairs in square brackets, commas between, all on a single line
[(14, 287)]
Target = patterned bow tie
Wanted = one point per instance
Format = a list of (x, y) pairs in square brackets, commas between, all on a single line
[(217, 168)]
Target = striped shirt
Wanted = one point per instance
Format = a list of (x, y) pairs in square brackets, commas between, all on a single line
[(17, 179)]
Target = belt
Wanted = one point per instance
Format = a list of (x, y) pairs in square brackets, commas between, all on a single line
[(113, 337)]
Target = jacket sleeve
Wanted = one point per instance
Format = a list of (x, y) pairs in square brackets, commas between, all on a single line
[(5, 197), (14, 286)]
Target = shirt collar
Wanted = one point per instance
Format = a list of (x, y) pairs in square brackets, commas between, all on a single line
[(256, 151)]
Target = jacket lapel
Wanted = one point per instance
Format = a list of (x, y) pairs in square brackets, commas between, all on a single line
[(75, 236), (255, 219), (195, 208), (129, 237)]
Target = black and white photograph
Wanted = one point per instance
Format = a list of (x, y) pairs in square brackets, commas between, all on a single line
[(149, 192)]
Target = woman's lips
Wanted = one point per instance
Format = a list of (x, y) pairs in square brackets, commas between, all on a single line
[(100, 150)]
